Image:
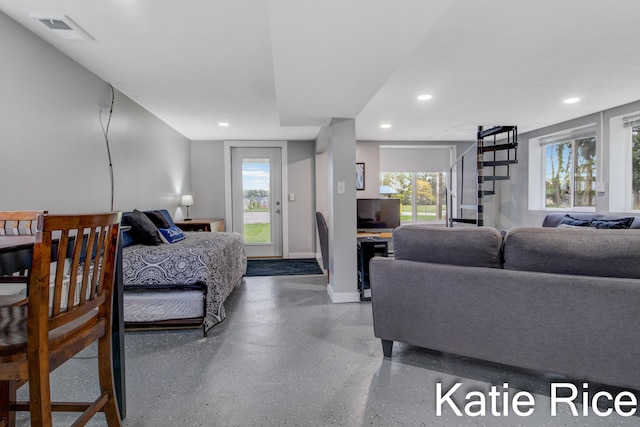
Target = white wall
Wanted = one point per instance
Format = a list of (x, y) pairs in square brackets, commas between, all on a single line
[(53, 150)]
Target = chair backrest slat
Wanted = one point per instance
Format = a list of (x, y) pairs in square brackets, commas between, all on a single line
[(19, 223), (87, 247), (98, 273), (85, 287), (60, 258)]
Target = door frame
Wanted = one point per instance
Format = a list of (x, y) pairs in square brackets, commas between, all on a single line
[(228, 145)]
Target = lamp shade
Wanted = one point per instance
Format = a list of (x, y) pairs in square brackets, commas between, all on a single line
[(186, 200)]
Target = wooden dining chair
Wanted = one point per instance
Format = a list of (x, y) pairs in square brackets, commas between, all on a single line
[(14, 225), (69, 308)]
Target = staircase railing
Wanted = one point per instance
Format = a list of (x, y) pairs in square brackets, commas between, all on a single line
[(486, 172)]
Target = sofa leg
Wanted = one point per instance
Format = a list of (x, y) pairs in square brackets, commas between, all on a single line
[(387, 346)]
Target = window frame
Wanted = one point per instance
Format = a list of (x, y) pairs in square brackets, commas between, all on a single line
[(620, 190), (629, 176), (537, 165), (414, 207), (573, 162)]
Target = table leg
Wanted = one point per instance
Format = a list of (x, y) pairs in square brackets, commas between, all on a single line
[(117, 336)]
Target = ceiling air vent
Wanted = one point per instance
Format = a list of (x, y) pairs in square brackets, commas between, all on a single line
[(62, 25)]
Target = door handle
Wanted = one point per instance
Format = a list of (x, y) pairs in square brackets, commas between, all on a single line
[(277, 210)]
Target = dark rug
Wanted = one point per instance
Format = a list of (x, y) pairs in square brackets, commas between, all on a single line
[(282, 267)]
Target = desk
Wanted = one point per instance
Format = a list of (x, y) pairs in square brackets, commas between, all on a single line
[(369, 234), (18, 256), (368, 247)]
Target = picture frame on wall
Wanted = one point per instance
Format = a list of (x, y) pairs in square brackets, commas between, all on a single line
[(359, 176)]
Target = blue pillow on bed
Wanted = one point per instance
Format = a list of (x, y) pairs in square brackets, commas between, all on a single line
[(171, 235), (127, 240)]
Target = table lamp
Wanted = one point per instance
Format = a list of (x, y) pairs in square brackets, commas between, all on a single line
[(186, 200)]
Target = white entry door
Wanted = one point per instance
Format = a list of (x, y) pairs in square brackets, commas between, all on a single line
[(256, 187)]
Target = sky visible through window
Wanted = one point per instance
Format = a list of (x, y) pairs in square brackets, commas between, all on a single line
[(255, 174)]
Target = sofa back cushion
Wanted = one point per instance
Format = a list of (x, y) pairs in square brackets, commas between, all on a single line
[(581, 251), (468, 246)]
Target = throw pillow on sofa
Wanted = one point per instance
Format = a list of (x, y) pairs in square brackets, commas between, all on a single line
[(568, 220), (620, 223)]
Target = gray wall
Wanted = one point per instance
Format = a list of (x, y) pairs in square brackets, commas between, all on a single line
[(513, 196), (302, 222), (208, 175), (53, 150), (369, 153), (341, 153)]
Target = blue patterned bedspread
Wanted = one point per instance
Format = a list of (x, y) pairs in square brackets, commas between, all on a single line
[(215, 259)]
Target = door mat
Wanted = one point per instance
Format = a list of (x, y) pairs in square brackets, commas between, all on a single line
[(282, 267)]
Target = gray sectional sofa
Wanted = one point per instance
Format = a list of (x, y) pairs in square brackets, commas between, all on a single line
[(557, 300)]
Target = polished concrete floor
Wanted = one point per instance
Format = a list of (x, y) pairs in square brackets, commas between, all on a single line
[(286, 356)]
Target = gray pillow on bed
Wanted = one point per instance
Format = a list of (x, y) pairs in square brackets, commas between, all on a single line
[(143, 231), (158, 219)]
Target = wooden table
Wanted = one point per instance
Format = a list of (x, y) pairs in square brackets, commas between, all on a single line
[(17, 256), (208, 224)]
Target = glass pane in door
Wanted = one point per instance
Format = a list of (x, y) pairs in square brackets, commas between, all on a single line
[(256, 203)]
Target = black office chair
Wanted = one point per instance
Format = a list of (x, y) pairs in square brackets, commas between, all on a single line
[(323, 234)]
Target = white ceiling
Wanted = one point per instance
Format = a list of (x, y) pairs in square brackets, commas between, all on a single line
[(280, 69)]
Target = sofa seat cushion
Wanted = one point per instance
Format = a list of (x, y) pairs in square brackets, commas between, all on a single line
[(581, 251), (467, 246)]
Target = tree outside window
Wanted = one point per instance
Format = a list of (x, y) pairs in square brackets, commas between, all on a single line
[(570, 173), (635, 167), (422, 194)]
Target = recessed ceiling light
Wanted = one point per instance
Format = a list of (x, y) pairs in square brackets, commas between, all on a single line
[(571, 100), (424, 97), (223, 124), (385, 126)]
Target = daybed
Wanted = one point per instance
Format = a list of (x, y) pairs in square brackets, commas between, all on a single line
[(556, 300), (178, 283)]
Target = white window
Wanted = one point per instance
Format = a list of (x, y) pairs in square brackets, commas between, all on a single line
[(421, 194), (570, 171), (562, 170), (416, 174), (634, 137), (624, 163)]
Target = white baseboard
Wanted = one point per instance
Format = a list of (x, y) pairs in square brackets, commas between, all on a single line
[(342, 296), (302, 255)]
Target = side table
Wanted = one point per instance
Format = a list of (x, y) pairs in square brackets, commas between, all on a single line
[(210, 224)]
